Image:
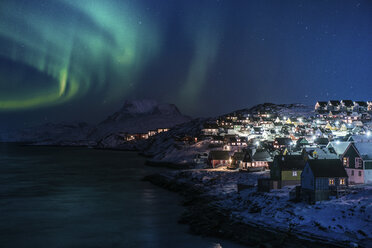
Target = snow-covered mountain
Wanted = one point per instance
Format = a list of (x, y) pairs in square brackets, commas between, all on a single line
[(138, 116)]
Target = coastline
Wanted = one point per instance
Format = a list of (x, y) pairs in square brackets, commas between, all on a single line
[(206, 218)]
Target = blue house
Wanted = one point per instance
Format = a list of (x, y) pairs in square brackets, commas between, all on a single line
[(322, 178)]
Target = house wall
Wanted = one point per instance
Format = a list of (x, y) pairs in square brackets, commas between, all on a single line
[(275, 171), (350, 153), (288, 175), (354, 177), (368, 176), (322, 183), (216, 163), (307, 178)]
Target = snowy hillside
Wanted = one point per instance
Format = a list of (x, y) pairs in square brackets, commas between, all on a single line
[(167, 147), (139, 116), (134, 117), (289, 110)]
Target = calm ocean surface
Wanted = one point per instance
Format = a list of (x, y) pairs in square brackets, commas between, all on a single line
[(78, 197)]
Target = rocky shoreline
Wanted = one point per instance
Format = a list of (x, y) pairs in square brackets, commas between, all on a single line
[(207, 219)]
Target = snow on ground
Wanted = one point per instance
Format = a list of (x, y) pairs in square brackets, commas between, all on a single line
[(347, 218)]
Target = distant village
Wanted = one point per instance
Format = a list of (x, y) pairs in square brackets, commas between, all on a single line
[(323, 154)]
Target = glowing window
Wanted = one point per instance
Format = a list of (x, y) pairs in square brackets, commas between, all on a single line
[(346, 161), (331, 181)]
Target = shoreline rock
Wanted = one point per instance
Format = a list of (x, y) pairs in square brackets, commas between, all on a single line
[(207, 219)]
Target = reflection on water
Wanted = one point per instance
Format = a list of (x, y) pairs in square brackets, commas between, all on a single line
[(77, 197)]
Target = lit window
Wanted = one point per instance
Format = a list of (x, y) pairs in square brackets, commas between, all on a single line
[(346, 161), (331, 181), (294, 173), (342, 181)]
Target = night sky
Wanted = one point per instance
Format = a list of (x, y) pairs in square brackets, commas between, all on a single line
[(79, 60)]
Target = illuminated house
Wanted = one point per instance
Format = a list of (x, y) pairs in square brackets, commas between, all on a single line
[(152, 133), (161, 130), (360, 106), (347, 105), (219, 158), (357, 160), (259, 161), (334, 105), (210, 129), (320, 106), (281, 143), (322, 178), (369, 103), (287, 169)]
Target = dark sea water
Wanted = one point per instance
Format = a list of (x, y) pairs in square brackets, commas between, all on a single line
[(77, 197)]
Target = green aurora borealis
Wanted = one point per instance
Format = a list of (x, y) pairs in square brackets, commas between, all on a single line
[(73, 43), (66, 60)]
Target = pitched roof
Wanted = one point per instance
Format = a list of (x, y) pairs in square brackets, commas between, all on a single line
[(219, 155), (338, 146), (334, 102), (290, 162), (361, 103), (323, 104), (360, 138), (327, 168), (364, 149), (318, 153), (321, 141), (239, 156), (261, 155), (348, 103), (302, 141)]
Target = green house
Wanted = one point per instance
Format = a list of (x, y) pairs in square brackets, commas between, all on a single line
[(287, 169)]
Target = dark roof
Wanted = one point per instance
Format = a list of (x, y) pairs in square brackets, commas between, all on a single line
[(290, 162), (210, 126), (321, 141), (215, 137), (361, 103), (239, 156), (283, 141), (334, 102), (334, 112), (327, 168), (219, 155), (323, 104), (348, 103), (247, 157)]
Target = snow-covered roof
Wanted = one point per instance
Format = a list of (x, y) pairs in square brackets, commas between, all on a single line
[(360, 138), (364, 149), (338, 146)]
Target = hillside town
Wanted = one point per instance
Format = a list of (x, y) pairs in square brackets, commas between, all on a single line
[(302, 170), (323, 152)]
